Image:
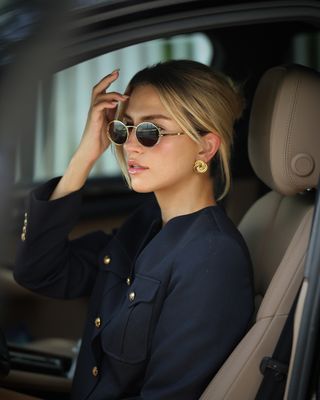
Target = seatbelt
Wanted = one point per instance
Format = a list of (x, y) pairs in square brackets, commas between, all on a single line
[(275, 368)]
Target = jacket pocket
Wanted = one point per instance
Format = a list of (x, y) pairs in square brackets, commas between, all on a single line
[(126, 336)]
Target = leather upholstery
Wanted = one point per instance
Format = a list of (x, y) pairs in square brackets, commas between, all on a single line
[(284, 151), (284, 138)]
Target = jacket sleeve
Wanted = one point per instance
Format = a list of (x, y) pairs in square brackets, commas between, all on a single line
[(206, 312), (47, 261)]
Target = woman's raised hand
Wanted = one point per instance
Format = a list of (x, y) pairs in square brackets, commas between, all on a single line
[(102, 110), (94, 139)]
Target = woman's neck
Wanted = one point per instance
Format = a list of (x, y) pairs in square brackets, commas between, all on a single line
[(186, 199)]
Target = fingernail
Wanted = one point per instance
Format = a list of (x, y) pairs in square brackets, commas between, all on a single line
[(115, 71), (125, 96)]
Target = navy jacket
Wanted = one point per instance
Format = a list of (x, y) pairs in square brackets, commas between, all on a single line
[(167, 305)]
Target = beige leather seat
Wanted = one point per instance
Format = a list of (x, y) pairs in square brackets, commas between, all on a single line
[(284, 149)]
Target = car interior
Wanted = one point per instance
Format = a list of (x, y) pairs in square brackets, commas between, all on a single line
[(278, 239), (275, 164)]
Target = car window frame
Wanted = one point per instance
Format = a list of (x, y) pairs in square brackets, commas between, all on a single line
[(173, 19)]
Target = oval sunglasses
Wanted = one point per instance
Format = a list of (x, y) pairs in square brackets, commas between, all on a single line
[(147, 133)]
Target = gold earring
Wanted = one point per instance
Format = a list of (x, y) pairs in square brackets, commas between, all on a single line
[(200, 166)]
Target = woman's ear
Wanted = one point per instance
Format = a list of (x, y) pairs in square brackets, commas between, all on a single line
[(210, 145)]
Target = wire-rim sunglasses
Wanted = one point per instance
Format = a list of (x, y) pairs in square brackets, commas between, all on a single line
[(147, 133)]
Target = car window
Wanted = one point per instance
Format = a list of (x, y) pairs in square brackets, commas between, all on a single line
[(305, 46), (64, 99)]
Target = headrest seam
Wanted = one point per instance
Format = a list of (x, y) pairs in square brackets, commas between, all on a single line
[(290, 133)]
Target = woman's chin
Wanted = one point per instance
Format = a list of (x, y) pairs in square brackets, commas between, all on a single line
[(141, 188)]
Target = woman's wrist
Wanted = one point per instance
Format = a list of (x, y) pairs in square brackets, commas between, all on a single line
[(80, 164), (74, 177)]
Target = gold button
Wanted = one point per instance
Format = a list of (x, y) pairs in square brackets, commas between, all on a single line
[(95, 371), (97, 322), (106, 260), (132, 296), (24, 229), (25, 222), (25, 215), (128, 280), (23, 236)]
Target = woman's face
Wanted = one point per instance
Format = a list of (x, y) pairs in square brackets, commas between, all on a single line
[(169, 164)]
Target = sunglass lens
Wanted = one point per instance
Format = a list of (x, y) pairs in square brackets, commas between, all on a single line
[(117, 132), (147, 134)]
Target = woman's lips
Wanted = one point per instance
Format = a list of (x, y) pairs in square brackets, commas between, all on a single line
[(135, 168)]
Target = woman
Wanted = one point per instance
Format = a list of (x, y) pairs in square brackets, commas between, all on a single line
[(171, 290)]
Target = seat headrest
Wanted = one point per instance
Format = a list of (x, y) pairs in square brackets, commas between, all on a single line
[(284, 130)]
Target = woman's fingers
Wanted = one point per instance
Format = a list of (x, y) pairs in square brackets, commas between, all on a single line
[(102, 105), (102, 109), (105, 83), (104, 102), (111, 97)]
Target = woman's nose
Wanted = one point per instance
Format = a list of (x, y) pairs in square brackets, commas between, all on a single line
[(132, 143)]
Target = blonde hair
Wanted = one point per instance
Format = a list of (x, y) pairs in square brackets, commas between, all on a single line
[(200, 100)]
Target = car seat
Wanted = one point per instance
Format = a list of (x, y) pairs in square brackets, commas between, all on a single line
[(284, 143)]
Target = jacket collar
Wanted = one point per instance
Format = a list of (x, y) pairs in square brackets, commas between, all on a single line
[(173, 236)]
